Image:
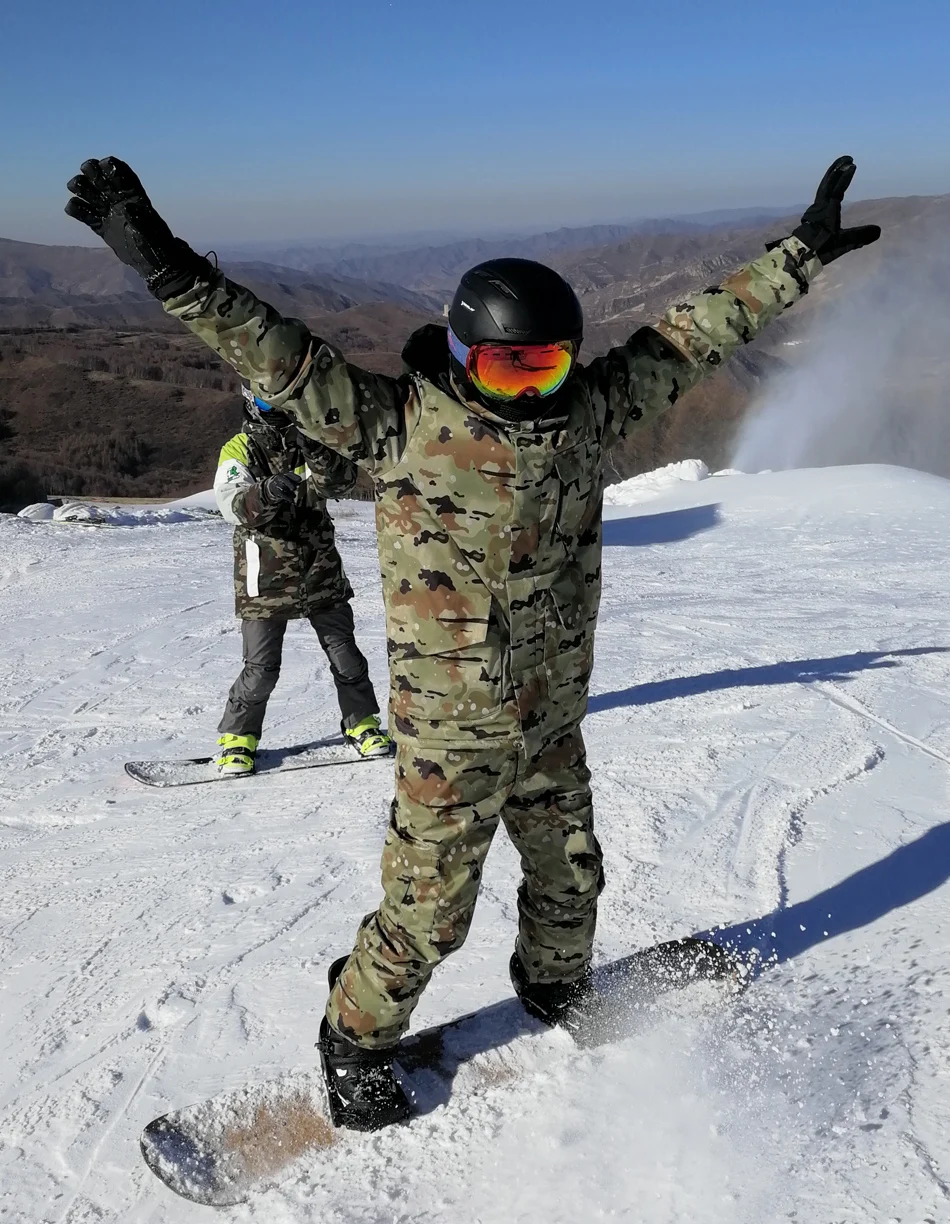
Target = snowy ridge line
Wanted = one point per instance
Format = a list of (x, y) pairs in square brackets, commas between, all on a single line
[(111, 514), (649, 485)]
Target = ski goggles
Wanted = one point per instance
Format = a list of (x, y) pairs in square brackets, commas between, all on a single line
[(254, 401), (508, 371)]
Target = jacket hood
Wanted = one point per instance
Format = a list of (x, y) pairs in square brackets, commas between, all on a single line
[(426, 353)]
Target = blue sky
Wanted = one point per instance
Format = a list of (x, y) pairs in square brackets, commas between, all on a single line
[(284, 119)]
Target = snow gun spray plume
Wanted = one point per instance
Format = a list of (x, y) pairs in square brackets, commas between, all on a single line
[(873, 382)]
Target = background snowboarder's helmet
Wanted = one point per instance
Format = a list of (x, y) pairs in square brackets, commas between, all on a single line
[(259, 412)]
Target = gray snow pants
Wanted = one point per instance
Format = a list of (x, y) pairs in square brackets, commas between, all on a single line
[(263, 648)]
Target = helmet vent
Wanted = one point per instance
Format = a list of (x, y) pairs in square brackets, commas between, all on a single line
[(502, 287)]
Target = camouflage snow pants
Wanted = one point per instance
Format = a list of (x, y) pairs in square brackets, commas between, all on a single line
[(447, 807)]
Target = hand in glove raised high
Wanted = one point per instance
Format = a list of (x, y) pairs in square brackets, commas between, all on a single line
[(108, 197), (821, 229), (282, 488)]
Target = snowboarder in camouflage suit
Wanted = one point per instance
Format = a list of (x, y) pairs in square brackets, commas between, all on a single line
[(487, 458), (272, 483)]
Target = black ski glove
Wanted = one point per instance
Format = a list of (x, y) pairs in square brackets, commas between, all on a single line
[(282, 488), (821, 222), (108, 197)]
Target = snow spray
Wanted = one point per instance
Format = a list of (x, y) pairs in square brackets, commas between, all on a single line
[(872, 382)]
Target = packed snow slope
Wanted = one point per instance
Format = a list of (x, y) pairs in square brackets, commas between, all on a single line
[(770, 739)]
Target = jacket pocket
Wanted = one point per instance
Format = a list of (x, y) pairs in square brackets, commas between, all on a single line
[(568, 652), (412, 874), (579, 492), (275, 569), (446, 669), (434, 615)]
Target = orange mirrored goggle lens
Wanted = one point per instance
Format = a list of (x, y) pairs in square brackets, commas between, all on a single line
[(508, 371)]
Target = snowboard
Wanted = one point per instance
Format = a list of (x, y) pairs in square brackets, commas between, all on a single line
[(220, 1150), (268, 760)]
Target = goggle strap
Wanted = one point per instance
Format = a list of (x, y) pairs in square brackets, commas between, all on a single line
[(461, 352)]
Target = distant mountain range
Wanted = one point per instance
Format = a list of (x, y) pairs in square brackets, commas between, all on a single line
[(434, 269), (621, 273), (637, 278), (145, 405), (304, 253), (70, 286), (60, 286)]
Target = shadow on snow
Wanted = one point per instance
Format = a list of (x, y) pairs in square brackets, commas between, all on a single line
[(665, 528), (905, 875), (793, 671), (901, 877)]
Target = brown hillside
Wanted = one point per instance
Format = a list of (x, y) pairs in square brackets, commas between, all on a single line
[(103, 412)]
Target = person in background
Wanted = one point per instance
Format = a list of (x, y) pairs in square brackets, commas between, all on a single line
[(272, 483)]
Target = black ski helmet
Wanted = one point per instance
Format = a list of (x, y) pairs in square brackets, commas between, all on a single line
[(515, 301)]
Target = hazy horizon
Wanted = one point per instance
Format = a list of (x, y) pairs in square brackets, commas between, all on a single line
[(312, 123), (424, 238)]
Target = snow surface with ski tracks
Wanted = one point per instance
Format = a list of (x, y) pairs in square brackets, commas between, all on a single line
[(770, 739)]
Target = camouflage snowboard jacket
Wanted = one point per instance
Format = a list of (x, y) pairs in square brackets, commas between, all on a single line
[(489, 533), (285, 561)]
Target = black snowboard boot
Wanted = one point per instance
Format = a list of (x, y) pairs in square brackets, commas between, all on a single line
[(549, 1002), (336, 969), (362, 1088)]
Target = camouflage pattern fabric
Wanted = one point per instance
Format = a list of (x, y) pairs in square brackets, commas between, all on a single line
[(285, 560), (489, 534), (490, 550), (447, 808), (491, 630)]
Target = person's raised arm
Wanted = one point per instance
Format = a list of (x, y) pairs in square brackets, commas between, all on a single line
[(361, 415), (330, 474), (697, 336)]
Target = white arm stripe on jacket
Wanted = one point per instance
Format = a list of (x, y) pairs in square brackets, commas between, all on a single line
[(231, 477)]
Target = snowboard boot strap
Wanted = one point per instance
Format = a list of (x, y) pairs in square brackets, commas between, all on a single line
[(362, 1089), (549, 1002), (368, 738), (237, 755)]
